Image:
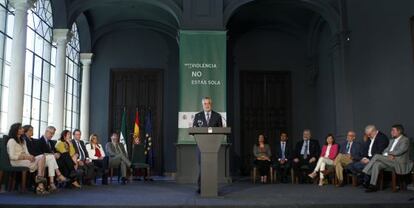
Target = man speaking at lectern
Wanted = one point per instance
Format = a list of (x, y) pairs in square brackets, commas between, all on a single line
[(206, 118)]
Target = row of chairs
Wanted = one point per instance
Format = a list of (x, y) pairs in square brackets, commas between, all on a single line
[(351, 179), (138, 161), (10, 174)]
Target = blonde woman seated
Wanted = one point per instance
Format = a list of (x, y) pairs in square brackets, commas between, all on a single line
[(261, 151), (328, 155), (68, 160), (97, 154), (20, 156)]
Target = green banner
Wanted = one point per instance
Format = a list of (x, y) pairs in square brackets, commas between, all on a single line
[(202, 73)]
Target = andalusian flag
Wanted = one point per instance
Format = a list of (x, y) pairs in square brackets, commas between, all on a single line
[(136, 125), (148, 140), (123, 134)]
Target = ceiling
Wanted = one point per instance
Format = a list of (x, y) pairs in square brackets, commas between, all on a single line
[(271, 15)]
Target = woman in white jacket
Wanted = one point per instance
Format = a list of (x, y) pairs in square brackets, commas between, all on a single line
[(97, 154), (20, 156)]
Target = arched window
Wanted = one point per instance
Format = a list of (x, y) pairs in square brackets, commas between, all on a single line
[(39, 66), (40, 63), (6, 31), (72, 81)]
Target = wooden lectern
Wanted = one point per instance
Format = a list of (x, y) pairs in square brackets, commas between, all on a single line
[(208, 140)]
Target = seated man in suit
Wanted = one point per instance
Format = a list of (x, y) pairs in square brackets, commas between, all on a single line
[(305, 156), (118, 156), (349, 151), (34, 148), (375, 144), (283, 159), (84, 161), (46, 142), (206, 118), (395, 156)]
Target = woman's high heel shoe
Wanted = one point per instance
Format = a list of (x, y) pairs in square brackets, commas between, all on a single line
[(52, 188), (40, 190), (75, 184), (61, 179)]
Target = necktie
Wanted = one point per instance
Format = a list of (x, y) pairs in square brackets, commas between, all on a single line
[(48, 144), (305, 154), (347, 147), (208, 117), (81, 153), (283, 150)]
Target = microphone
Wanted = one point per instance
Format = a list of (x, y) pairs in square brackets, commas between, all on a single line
[(199, 123)]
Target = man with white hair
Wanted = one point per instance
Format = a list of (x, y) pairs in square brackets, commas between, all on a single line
[(396, 156), (376, 143), (206, 118)]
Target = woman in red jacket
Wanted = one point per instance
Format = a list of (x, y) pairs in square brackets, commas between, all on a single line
[(328, 155)]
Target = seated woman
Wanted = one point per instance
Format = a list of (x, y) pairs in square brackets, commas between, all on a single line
[(328, 155), (97, 154), (50, 160), (261, 151), (20, 157), (68, 157)]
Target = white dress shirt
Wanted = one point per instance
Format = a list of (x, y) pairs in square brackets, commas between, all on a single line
[(393, 145), (328, 149), (305, 142), (371, 144)]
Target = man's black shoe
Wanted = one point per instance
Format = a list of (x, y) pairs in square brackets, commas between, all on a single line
[(371, 189), (123, 180)]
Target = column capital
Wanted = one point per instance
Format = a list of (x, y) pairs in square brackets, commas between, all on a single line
[(61, 36), (23, 5), (86, 58)]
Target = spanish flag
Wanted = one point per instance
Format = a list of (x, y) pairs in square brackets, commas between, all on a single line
[(136, 125)]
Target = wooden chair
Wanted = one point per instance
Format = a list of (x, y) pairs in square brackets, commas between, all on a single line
[(275, 174), (254, 174), (330, 173), (138, 159), (5, 166), (111, 173), (295, 178), (393, 179)]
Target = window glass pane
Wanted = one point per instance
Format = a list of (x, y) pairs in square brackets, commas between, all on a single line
[(10, 22), (27, 106), (36, 88), (44, 111), (35, 108)]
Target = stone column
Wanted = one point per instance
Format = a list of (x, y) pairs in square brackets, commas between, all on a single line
[(86, 60), (343, 96), (18, 61), (61, 37)]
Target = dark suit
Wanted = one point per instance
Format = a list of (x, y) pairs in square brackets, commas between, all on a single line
[(201, 121), (303, 167), (380, 143), (82, 145), (46, 145), (89, 169), (282, 169), (33, 146), (356, 150)]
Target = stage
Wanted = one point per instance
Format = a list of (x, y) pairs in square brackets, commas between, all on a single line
[(239, 194)]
